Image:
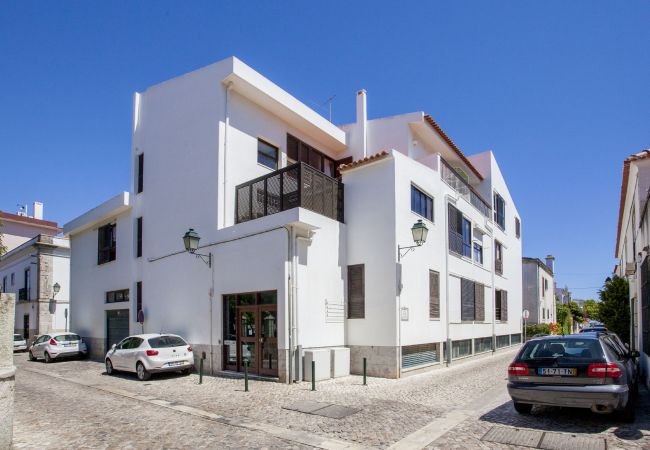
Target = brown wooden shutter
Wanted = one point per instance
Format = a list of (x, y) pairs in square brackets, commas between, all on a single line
[(434, 295), (479, 302), (467, 299), (504, 306), (356, 292)]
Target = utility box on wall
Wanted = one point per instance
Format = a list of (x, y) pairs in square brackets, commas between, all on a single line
[(340, 361), (322, 360)]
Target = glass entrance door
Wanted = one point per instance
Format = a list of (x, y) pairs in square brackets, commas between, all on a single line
[(268, 317), (247, 337)]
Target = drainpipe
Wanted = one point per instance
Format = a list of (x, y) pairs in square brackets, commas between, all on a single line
[(296, 301), (289, 230), (494, 293), (448, 199), (225, 150)]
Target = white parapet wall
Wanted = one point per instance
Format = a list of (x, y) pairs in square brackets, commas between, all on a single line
[(7, 369), (321, 359)]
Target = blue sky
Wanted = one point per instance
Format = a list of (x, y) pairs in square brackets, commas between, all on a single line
[(558, 90)]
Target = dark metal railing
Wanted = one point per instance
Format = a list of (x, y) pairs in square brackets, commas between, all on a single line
[(298, 185), (456, 182), (23, 294)]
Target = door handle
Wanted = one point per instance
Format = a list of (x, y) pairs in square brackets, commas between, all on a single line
[(261, 340)]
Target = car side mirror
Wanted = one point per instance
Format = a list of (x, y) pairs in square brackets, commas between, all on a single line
[(634, 354), (113, 347)]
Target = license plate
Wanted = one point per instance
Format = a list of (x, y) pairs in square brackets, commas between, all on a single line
[(176, 363), (546, 371)]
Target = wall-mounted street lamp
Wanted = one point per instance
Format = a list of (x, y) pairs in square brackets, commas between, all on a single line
[(419, 231), (191, 241), (56, 288)]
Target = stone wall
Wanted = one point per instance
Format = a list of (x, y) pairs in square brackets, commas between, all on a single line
[(7, 369), (381, 361)]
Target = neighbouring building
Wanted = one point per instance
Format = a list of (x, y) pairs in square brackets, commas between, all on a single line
[(300, 223), (633, 250), (562, 295), (37, 260), (538, 285)]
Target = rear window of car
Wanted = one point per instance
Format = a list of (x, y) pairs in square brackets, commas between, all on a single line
[(18, 337), (166, 341), (67, 338), (562, 348)]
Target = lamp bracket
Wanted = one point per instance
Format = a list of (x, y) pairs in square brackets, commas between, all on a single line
[(403, 251), (205, 258)]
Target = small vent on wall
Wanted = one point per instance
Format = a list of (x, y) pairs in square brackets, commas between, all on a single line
[(334, 311)]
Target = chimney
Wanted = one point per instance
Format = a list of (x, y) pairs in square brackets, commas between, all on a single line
[(362, 120), (38, 210), (550, 263)]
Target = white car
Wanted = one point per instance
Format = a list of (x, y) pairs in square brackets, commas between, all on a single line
[(20, 344), (57, 345), (145, 354)]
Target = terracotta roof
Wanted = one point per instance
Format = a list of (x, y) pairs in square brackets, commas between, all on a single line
[(29, 220), (626, 175), (448, 140), (366, 160)]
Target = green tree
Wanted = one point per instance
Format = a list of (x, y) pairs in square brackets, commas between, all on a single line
[(614, 307), (563, 313), (576, 312), (591, 309)]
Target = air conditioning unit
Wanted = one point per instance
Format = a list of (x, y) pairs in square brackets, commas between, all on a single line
[(630, 268)]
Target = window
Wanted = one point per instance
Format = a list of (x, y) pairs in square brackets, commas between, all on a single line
[(4, 284), (267, 154), (515, 339), (298, 150), (13, 279), (460, 233), (106, 244), (117, 296), (517, 227), (499, 211), (503, 341), (27, 279), (418, 355), (472, 301), (478, 252), (483, 344), (421, 203), (501, 305), (138, 299), (138, 234), (467, 238), (356, 292), (140, 180), (461, 348), (434, 295), (498, 257)]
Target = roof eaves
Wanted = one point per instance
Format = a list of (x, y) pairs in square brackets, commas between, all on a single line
[(626, 176), (363, 161)]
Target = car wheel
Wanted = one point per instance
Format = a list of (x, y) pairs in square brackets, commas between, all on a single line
[(31, 356), (142, 373), (523, 408), (109, 367), (48, 358)]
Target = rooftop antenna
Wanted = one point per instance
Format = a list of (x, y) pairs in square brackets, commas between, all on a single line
[(328, 102)]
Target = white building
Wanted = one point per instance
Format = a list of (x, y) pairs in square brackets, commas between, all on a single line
[(633, 250), (303, 256), (35, 262), (538, 289)]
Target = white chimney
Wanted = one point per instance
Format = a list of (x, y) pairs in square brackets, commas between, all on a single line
[(550, 263), (38, 210), (362, 120)]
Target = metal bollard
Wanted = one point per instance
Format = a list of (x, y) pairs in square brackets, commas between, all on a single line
[(201, 371), (246, 375), (364, 371), (313, 375)]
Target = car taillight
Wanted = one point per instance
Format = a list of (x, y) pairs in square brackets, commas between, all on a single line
[(604, 370), (152, 352), (53, 342), (518, 369), (189, 349)]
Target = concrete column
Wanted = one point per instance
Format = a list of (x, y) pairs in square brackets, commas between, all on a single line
[(7, 369)]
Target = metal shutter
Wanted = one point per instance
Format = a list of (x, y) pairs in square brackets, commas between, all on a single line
[(356, 292), (434, 295), (479, 302), (504, 306), (117, 326), (467, 299)]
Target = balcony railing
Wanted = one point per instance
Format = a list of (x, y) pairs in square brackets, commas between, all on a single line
[(23, 294), (287, 188), (457, 183)]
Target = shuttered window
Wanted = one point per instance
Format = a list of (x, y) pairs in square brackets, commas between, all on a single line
[(500, 211), (356, 292), (140, 180), (434, 295), (467, 299), (479, 302), (501, 312), (455, 230), (138, 233)]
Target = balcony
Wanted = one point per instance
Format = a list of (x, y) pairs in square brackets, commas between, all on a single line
[(457, 183), (298, 185)]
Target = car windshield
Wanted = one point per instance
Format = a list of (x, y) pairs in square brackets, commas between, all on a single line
[(67, 338), (562, 348), (18, 337), (166, 341)]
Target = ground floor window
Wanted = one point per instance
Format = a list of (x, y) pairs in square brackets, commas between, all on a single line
[(459, 348), (483, 344), (250, 332), (515, 339), (503, 341), (419, 355)]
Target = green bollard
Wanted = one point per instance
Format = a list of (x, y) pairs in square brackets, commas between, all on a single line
[(313, 375), (364, 371), (201, 371), (246, 375)]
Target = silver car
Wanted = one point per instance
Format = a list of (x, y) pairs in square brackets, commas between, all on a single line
[(20, 344), (145, 354), (57, 345)]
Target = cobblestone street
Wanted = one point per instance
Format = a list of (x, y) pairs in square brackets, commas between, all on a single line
[(73, 404)]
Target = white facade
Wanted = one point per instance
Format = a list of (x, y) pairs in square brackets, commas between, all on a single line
[(538, 290), (199, 134), (632, 243)]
